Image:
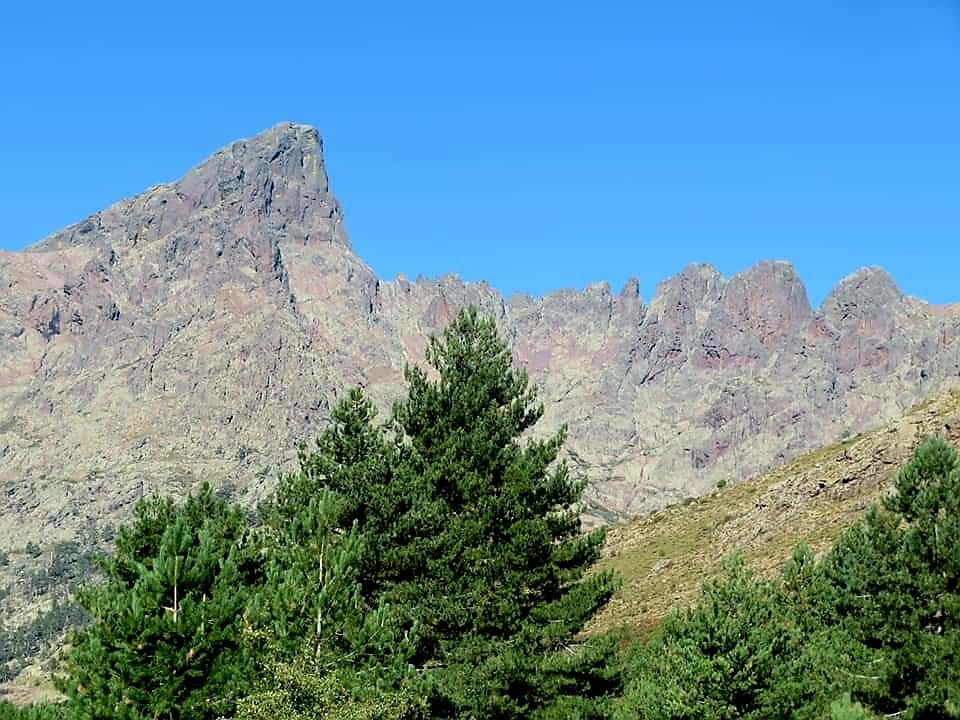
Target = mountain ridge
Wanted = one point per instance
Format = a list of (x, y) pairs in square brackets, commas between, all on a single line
[(203, 328), (306, 136)]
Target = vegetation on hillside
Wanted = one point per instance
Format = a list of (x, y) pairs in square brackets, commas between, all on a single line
[(875, 623), (50, 578), (664, 558), (432, 565)]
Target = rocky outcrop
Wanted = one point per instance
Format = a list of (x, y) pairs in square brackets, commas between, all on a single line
[(203, 328)]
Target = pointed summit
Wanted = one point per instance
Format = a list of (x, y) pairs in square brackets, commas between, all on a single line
[(287, 151), (273, 183), (768, 294), (678, 298), (699, 278), (759, 310), (864, 291)]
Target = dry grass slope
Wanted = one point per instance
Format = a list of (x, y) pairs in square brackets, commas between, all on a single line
[(665, 557)]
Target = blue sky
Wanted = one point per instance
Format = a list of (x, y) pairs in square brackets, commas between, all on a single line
[(533, 144)]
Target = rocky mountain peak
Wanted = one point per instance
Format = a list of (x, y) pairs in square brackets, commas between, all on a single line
[(273, 183), (680, 301), (631, 289), (868, 287), (767, 299), (696, 280), (284, 163)]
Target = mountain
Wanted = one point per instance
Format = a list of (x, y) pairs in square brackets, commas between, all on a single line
[(203, 328)]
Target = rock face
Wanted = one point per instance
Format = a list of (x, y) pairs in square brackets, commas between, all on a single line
[(201, 329)]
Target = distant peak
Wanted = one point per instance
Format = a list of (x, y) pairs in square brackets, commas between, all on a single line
[(288, 126), (871, 282), (695, 276), (777, 275), (778, 268), (700, 270), (771, 290), (872, 274), (631, 289), (784, 267), (287, 148)]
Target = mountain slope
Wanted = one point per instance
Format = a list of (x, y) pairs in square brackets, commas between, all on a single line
[(665, 557), (203, 328)]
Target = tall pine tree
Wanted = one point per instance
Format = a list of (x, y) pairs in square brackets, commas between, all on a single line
[(894, 581), (310, 608), (473, 533)]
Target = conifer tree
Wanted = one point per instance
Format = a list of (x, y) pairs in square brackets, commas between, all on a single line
[(310, 608), (353, 468), (166, 639), (870, 630), (473, 534), (748, 649), (326, 654), (894, 580)]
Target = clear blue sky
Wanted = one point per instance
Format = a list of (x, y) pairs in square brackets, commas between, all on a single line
[(532, 144)]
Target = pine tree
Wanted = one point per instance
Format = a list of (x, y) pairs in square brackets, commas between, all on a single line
[(894, 580), (167, 633), (326, 653), (352, 471), (310, 607), (871, 630), (473, 534), (747, 650)]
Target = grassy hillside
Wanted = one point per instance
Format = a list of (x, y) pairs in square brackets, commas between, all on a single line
[(665, 557)]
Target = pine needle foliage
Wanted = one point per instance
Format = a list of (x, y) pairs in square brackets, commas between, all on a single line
[(473, 533), (166, 637), (870, 630), (310, 608)]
